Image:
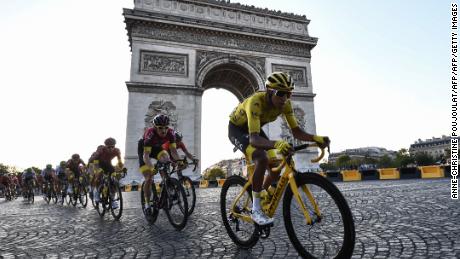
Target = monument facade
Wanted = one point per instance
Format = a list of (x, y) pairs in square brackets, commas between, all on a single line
[(180, 48)]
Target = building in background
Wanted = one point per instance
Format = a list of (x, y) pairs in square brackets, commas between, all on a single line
[(362, 153), (435, 147)]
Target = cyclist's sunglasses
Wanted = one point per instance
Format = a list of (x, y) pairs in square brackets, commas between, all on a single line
[(110, 147), (161, 127), (283, 93)]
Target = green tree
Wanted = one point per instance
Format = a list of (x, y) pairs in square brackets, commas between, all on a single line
[(423, 159), (4, 169), (403, 158), (328, 166), (214, 173), (343, 161), (385, 162)]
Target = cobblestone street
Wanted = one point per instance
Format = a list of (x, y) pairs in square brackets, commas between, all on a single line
[(393, 219)]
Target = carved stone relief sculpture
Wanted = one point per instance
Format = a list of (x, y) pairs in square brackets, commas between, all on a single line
[(297, 73), (162, 63), (161, 107), (286, 132)]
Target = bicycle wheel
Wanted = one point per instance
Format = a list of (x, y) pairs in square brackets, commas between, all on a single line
[(54, 197), (74, 195), (189, 189), (116, 196), (331, 235), (47, 196), (176, 204), (102, 205), (83, 197), (243, 233), (31, 196), (152, 217)]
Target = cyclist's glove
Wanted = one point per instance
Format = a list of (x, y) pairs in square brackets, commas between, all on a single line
[(322, 141), (283, 147)]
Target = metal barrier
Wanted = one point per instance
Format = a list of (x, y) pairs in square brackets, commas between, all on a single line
[(389, 173), (432, 171), (351, 175)]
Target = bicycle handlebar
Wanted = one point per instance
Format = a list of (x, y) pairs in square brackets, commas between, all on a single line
[(305, 146)]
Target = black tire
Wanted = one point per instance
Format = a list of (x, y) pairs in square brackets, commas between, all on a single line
[(74, 196), (249, 236), (47, 196), (31, 196), (176, 204), (117, 197), (83, 197), (102, 206), (54, 197), (336, 219), (189, 189), (154, 203)]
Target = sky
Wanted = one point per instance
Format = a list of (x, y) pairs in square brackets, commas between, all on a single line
[(380, 73)]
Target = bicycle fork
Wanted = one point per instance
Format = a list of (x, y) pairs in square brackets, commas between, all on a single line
[(306, 190)]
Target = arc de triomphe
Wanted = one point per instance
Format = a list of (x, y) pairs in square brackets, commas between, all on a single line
[(180, 48)]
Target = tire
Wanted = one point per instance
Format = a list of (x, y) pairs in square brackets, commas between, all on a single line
[(154, 201), (247, 237), (47, 196), (31, 196), (189, 189), (330, 236), (74, 196), (176, 204), (83, 197), (54, 197), (102, 206), (117, 197)]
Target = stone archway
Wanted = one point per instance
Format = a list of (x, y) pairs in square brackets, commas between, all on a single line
[(180, 48)]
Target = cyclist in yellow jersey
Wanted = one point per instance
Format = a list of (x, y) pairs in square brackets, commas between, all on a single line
[(244, 131)]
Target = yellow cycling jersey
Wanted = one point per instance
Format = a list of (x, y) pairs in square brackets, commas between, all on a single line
[(254, 112)]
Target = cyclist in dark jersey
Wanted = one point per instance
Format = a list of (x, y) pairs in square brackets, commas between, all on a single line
[(151, 146), (73, 170), (102, 161)]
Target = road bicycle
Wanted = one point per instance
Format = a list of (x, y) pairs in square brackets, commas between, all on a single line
[(187, 183), (171, 198), (29, 192), (79, 193), (110, 192), (316, 216), (49, 194)]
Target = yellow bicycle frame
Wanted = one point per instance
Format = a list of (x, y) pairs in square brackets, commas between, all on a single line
[(288, 176)]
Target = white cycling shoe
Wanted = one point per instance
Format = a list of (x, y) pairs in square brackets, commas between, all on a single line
[(114, 205), (260, 218)]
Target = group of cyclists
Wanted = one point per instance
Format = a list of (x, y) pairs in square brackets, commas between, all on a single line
[(161, 142), (63, 178)]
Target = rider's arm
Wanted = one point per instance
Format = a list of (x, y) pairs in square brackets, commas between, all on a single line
[(174, 154), (181, 145), (300, 134), (119, 157)]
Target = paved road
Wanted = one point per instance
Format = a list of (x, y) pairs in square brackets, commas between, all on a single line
[(394, 219)]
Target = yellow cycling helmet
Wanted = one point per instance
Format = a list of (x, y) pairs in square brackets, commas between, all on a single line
[(280, 81)]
